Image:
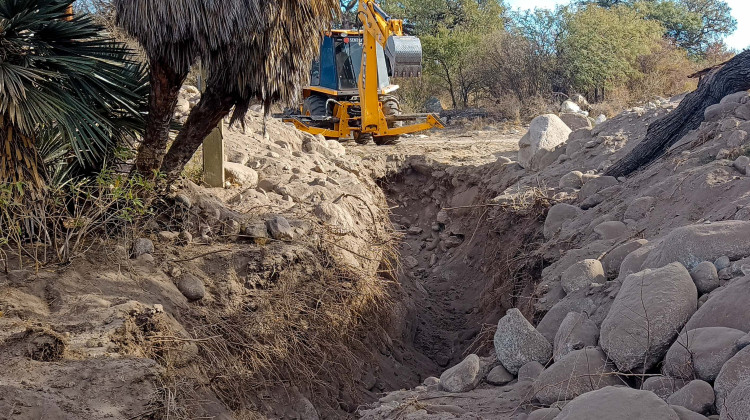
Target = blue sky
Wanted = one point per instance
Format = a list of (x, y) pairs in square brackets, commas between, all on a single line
[(740, 10)]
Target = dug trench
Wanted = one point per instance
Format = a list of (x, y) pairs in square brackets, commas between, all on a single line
[(464, 258)]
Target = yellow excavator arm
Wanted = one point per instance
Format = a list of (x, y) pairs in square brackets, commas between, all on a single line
[(403, 52)]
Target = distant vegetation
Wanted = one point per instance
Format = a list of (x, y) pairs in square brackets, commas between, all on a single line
[(478, 53)]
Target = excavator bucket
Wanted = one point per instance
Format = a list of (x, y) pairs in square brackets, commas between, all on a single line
[(404, 54)]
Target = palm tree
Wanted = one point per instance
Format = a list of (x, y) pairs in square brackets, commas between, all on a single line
[(65, 89), (254, 50)]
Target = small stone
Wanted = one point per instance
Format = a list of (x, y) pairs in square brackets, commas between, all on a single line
[(183, 200), (663, 386), (530, 371), (517, 342), (696, 396), (610, 230), (463, 377), (167, 236), (573, 179), (191, 287), (415, 230), (576, 332), (705, 277), (582, 274), (722, 263), (142, 246), (499, 376), (280, 229), (185, 237), (741, 164), (557, 216)]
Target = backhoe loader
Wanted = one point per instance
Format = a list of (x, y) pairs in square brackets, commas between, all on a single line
[(350, 91)]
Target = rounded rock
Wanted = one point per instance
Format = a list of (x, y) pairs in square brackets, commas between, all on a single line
[(700, 353), (697, 396), (582, 274), (617, 403), (517, 342), (191, 287)]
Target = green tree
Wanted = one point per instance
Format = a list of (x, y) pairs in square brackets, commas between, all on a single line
[(451, 32), (694, 25), (69, 94), (601, 47)]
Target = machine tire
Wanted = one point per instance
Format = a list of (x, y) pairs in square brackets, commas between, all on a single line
[(362, 138), (315, 105), (391, 107)]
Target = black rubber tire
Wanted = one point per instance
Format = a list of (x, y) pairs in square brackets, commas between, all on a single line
[(391, 107), (315, 105), (362, 138)]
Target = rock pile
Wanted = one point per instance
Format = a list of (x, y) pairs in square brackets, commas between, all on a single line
[(645, 302)]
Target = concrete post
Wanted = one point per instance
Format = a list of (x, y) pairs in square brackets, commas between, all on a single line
[(213, 147)]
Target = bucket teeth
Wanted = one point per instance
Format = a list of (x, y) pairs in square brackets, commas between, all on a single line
[(404, 54)]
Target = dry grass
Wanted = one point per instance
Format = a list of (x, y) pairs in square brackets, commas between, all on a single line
[(309, 328)]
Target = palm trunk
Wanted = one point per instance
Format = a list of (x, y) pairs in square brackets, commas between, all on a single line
[(212, 107), (19, 161), (165, 90), (733, 76)]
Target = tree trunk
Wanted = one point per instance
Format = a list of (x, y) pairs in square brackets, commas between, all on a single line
[(165, 90), (206, 116), (733, 77), (20, 161)]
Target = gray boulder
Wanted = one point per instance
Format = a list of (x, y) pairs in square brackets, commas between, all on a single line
[(191, 287), (719, 111), (735, 371), (539, 147), (613, 260), (700, 353), (685, 414), (634, 261), (463, 377), (691, 245), (530, 371), (726, 307), (582, 274), (697, 396), (705, 277), (639, 208), (544, 414), (142, 246), (557, 216), (576, 332), (610, 230), (594, 301), (722, 263), (646, 316), (617, 403), (575, 374), (499, 376), (663, 386), (280, 229), (595, 185), (576, 121), (573, 179), (517, 342), (737, 404)]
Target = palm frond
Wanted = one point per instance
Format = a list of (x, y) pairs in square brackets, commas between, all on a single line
[(68, 81)]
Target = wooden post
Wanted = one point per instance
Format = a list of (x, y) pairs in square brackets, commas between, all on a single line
[(213, 147)]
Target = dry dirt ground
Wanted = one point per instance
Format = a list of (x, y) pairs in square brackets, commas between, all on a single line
[(330, 280)]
